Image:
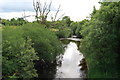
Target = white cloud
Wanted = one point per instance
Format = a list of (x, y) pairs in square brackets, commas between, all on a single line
[(76, 9), (10, 15), (79, 9)]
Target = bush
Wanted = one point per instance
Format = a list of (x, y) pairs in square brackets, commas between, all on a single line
[(101, 42), (77, 32), (18, 54), (73, 27), (25, 44), (79, 28), (64, 33), (45, 41), (48, 47)]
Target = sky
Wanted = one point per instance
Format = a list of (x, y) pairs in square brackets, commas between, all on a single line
[(77, 10)]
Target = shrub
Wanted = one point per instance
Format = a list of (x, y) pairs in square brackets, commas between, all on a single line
[(18, 54), (64, 33), (45, 41), (101, 42), (23, 45), (48, 47)]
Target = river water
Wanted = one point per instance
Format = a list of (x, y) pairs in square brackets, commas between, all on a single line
[(70, 62)]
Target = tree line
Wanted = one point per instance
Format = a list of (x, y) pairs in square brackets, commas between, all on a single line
[(32, 48), (100, 43)]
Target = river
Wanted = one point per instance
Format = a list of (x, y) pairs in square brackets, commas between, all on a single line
[(71, 59), (70, 64)]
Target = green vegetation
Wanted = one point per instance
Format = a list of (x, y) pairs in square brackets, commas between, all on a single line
[(73, 27), (101, 42), (76, 27), (23, 45), (30, 49), (61, 28), (45, 41), (13, 22), (17, 54), (64, 33)]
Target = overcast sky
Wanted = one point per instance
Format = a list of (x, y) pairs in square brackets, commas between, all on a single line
[(76, 9)]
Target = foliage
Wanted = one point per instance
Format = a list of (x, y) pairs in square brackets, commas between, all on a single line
[(79, 28), (64, 33), (45, 41), (73, 27), (61, 29), (24, 44), (13, 22), (17, 22), (67, 20), (47, 45), (100, 43), (76, 27), (5, 22), (17, 54)]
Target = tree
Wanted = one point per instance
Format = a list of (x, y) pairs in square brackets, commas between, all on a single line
[(94, 11), (101, 42), (17, 22), (18, 55), (67, 20), (5, 22), (73, 27), (42, 10)]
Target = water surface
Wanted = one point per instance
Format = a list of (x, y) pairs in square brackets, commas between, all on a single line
[(70, 62)]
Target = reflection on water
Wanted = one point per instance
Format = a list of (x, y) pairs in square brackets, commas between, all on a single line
[(70, 63)]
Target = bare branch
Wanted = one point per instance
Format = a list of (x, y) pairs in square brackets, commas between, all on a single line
[(61, 16), (52, 18), (44, 8), (40, 7), (48, 9), (57, 12), (42, 11), (36, 7)]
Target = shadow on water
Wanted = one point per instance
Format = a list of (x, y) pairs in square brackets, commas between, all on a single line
[(71, 64)]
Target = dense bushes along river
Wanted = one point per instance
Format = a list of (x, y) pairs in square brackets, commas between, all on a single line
[(23, 45), (32, 44), (101, 41), (30, 49)]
